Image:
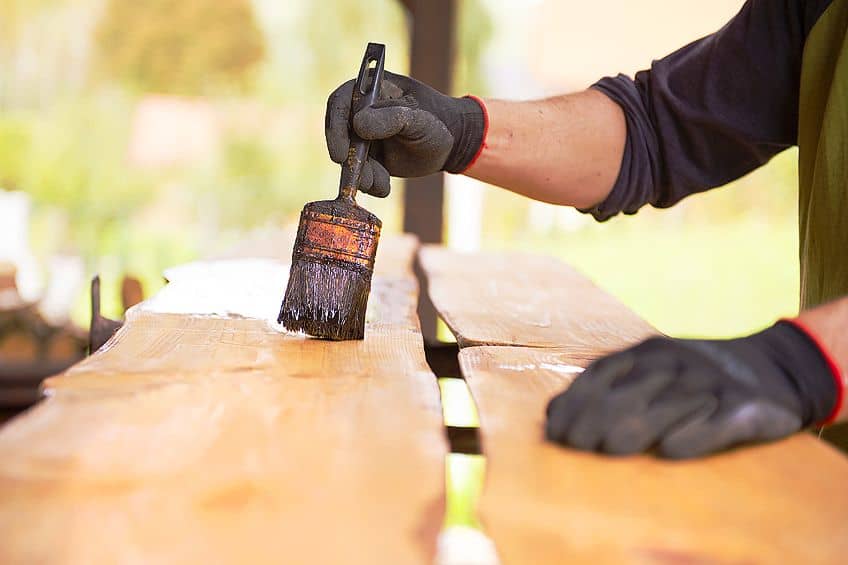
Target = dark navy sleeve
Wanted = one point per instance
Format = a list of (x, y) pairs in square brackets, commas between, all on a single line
[(712, 111)]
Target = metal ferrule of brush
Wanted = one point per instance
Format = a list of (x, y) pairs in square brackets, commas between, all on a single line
[(328, 234)]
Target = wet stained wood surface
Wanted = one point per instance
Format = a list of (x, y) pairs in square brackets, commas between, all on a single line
[(200, 433), (785, 502)]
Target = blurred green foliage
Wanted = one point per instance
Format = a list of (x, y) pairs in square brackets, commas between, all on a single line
[(14, 144), (83, 175), (188, 47), (337, 32), (15, 11), (254, 182), (464, 480), (475, 30)]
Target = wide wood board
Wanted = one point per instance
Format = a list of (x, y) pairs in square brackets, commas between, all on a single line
[(202, 434), (529, 300), (785, 502)]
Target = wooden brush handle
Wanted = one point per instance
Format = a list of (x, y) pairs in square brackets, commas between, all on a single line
[(366, 91)]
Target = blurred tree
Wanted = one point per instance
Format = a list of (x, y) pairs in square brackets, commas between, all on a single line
[(185, 47), (14, 144), (12, 12), (339, 29), (336, 32), (71, 157), (44, 50), (241, 186), (84, 175)]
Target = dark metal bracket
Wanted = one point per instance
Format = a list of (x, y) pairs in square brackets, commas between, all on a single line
[(101, 328)]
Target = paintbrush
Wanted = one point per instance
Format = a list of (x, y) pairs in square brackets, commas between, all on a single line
[(333, 256)]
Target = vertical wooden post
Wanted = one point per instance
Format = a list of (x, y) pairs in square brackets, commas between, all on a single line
[(433, 34)]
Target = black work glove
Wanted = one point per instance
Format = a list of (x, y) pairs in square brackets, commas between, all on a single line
[(416, 131), (692, 397)]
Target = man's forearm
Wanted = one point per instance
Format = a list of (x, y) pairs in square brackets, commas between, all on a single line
[(565, 150), (829, 323)]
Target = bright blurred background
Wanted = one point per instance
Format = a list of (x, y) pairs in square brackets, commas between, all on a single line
[(152, 132)]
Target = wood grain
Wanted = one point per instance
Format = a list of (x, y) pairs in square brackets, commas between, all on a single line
[(528, 300), (785, 502), (207, 437)]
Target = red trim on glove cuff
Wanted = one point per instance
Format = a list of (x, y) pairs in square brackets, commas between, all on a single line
[(831, 363), (485, 131)]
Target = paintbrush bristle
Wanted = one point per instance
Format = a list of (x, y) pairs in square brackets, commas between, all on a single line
[(326, 300)]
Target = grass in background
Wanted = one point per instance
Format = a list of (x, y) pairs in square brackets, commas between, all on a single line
[(691, 280), (464, 480)]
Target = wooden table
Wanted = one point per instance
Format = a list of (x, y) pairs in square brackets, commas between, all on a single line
[(202, 434)]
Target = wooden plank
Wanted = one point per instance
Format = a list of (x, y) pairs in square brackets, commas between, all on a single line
[(785, 502), (528, 300), (202, 434)]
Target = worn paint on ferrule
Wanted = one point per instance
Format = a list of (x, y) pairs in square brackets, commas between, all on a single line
[(347, 242)]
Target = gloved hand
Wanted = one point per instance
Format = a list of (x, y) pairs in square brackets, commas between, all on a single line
[(692, 397), (416, 131)]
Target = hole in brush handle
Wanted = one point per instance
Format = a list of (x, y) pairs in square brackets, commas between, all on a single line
[(368, 79)]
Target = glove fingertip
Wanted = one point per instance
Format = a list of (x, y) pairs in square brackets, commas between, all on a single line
[(679, 450), (380, 123), (407, 101), (392, 86), (629, 437), (336, 122), (378, 191), (586, 431), (555, 429), (551, 406), (337, 148), (695, 437), (338, 142), (382, 181), (557, 418)]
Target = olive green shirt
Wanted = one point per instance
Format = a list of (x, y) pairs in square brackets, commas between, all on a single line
[(823, 166)]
